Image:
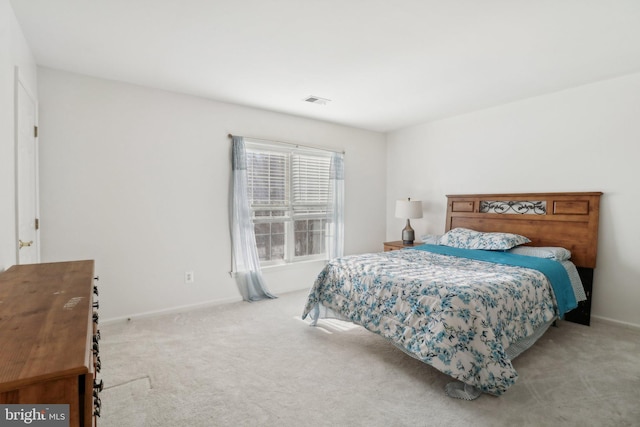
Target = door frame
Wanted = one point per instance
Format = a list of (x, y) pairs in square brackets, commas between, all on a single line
[(18, 81)]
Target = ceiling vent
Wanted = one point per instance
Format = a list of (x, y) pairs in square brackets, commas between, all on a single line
[(317, 100)]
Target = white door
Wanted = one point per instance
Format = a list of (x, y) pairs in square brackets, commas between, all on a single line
[(26, 177)]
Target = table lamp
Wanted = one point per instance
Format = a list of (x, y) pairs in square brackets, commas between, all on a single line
[(408, 209)]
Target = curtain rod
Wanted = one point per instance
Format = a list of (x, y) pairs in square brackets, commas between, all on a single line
[(315, 147)]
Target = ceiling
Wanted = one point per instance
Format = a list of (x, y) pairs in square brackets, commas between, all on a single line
[(384, 64)]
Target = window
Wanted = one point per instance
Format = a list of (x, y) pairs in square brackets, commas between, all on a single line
[(288, 190)]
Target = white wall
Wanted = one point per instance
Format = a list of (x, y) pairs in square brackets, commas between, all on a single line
[(14, 52), (581, 139), (138, 180)]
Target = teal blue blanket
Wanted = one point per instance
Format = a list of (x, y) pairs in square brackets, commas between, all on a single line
[(553, 270)]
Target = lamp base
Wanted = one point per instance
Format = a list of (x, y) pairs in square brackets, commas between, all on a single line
[(408, 235)]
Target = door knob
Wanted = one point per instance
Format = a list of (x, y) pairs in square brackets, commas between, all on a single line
[(22, 244)]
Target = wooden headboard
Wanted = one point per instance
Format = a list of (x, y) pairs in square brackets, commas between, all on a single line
[(569, 220)]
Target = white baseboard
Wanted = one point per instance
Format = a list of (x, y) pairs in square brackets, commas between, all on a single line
[(179, 309), (616, 322)]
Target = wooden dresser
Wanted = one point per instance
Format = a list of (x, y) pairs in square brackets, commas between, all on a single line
[(49, 338)]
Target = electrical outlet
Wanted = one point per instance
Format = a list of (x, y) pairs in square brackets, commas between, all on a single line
[(188, 277)]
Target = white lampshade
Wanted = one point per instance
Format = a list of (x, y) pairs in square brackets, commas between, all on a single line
[(408, 209)]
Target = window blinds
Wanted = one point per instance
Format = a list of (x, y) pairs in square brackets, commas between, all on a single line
[(310, 180), (267, 178)]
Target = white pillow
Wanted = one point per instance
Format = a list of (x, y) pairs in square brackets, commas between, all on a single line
[(549, 252), (430, 239)]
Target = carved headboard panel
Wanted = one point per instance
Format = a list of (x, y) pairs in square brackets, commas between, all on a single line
[(569, 220)]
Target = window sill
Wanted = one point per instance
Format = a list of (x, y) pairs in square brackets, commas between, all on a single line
[(291, 265)]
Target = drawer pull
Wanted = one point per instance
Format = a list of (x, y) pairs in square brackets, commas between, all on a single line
[(98, 386), (96, 304), (95, 290), (95, 318), (97, 406)]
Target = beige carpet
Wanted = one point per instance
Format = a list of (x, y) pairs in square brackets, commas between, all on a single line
[(258, 364)]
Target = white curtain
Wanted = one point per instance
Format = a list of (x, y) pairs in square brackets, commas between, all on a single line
[(243, 240), (335, 220)]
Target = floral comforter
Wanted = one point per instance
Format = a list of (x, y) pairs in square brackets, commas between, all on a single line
[(458, 315)]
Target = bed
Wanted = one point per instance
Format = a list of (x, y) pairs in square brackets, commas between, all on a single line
[(469, 312)]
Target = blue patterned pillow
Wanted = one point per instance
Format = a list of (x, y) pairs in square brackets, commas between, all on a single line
[(471, 239)]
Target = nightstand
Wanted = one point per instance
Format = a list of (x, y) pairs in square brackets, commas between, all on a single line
[(393, 246)]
